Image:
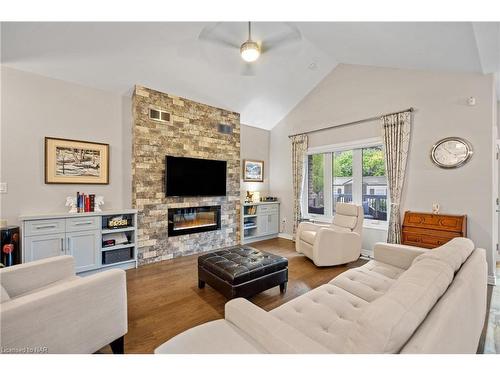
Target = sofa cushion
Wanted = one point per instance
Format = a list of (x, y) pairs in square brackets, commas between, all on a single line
[(344, 221), (218, 336), (4, 296), (454, 253), (383, 269), (325, 314), (363, 283), (387, 323), (308, 236)]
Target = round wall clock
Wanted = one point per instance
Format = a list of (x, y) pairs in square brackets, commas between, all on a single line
[(451, 152)]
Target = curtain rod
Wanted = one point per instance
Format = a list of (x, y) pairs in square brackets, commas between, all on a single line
[(411, 109)]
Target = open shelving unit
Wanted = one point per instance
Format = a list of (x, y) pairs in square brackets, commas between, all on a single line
[(259, 221), (121, 254)]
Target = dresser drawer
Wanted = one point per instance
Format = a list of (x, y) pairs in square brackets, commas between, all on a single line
[(76, 224), (425, 240), (41, 227), (431, 221)]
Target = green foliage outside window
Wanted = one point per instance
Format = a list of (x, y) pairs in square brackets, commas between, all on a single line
[(373, 162), (342, 164), (317, 172)]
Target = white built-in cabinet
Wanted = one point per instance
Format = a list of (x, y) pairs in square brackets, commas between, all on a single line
[(78, 235), (260, 221)]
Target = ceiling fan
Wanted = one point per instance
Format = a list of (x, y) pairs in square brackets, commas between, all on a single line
[(250, 50)]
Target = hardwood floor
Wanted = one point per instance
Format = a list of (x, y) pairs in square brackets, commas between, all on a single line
[(164, 299)]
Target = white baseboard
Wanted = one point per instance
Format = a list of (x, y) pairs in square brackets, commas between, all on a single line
[(492, 280), (286, 236)]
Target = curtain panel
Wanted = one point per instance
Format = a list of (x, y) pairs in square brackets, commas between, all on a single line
[(299, 149), (396, 130)]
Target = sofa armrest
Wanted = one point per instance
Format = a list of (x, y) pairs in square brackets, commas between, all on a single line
[(22, 278), (397, 255), (79, 316), (271, 333)]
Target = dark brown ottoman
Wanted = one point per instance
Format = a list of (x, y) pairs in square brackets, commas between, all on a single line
[(242, 271)]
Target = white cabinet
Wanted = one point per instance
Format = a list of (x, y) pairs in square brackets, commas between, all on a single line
[(43, 246), (273, 222), (85, 248), (79, 235), (262, 225), (260, 221)]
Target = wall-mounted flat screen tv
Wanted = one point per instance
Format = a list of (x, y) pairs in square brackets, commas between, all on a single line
[(190, 177)]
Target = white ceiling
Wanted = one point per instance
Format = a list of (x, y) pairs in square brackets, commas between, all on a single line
[(170, 57)]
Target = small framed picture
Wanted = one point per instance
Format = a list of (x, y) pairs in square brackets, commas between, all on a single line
[(69, 161), (253, 171)]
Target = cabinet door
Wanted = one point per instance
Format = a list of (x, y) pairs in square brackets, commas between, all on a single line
[(44, 246), (273, 223), (85, 248), (262, 225)]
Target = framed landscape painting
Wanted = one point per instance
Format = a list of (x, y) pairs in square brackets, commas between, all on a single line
[(76, 162), (253, 170)]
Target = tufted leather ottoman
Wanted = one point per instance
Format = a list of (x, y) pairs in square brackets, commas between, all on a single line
[(242, 271)]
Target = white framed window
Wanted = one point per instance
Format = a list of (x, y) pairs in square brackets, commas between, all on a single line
[(347, 172)]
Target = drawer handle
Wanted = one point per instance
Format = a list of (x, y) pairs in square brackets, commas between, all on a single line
[(46, 226), (84, 223)]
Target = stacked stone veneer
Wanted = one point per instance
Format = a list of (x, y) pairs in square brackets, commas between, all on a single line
[(191, 132)]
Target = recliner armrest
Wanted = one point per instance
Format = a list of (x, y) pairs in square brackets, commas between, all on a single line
[(271, 333), (397, 255), (22, 278)]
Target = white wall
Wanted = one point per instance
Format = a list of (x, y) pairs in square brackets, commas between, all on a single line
[(34, 107), (255, 146), (352, 92)]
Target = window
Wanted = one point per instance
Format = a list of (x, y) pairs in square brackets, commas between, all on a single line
[(374, 184), (315, 184), (353, 173), (342, 177)]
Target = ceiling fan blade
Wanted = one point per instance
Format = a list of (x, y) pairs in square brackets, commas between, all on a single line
[(282, 39), (248, 70), (211, 34)]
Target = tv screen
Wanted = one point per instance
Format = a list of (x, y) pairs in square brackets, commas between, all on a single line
[(189, 177)]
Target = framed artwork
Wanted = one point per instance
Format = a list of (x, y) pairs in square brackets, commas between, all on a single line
[(253, 171), (69, 161)]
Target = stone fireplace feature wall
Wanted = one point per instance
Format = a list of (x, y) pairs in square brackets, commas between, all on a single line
[(191, 132)]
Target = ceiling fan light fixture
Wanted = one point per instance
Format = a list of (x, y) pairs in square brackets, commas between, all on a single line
[(250, 51)]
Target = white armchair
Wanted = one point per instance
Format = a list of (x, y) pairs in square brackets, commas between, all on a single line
[(337, 243), (46, 308)]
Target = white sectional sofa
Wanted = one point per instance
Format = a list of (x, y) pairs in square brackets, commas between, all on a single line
[(406, 300)]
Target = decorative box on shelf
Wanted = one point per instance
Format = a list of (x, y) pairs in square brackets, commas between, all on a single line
[(85, 236), (117, 223)]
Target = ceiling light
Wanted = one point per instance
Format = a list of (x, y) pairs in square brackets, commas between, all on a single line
[(250, 51)]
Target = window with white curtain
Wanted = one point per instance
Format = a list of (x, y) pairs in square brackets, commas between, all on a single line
[(350, 172)]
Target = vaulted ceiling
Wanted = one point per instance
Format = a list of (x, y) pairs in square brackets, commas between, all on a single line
[(172, 57)]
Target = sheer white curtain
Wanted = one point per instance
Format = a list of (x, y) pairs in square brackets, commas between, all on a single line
[(299, 149), (396, 130)]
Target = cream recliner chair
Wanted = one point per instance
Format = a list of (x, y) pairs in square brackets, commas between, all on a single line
[(337, 243)]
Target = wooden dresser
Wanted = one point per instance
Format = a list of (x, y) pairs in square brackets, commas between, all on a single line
[(432, 230)]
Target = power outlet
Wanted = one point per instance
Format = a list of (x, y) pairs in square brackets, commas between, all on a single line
[(3, 187), (283, 224)]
